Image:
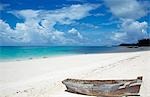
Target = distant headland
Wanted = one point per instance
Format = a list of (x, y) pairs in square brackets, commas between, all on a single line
[(142, 42)]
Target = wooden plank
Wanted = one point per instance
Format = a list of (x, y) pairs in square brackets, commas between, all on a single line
[(109, 88)]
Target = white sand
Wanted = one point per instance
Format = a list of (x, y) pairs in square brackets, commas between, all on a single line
[(42, 77)]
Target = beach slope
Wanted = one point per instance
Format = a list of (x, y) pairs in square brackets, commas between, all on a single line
[(42, 77)]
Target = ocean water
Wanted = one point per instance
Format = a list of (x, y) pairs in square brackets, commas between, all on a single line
[(22, 52)]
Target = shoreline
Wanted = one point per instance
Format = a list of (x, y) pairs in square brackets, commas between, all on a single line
[(42, 77), (122, 49)]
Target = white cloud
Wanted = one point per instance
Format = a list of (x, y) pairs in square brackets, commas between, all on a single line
[(38, 25), (110, 23), (85, 25), (99, 14), (130, 9), (88, 25), (26, 14), (75, 32), (64, 16), (128, 12), (131, 31)]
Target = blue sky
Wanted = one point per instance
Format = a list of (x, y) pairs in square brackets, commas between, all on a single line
[(73, 22)]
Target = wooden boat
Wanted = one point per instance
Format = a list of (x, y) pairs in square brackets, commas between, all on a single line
[(106, 88)]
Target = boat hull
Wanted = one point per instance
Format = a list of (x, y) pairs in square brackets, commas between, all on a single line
[(109, 88)]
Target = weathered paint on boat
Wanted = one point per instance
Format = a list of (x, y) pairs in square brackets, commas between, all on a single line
[(109, 88)]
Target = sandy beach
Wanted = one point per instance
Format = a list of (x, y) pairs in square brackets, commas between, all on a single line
[(42, 77)]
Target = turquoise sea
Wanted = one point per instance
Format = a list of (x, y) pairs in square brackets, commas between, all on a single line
[(22, 52)]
